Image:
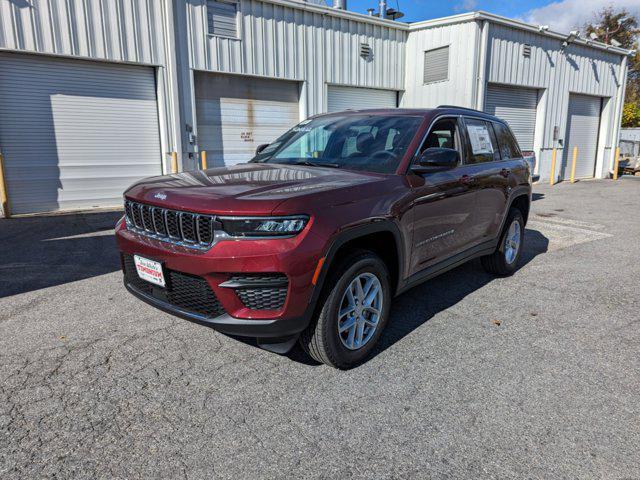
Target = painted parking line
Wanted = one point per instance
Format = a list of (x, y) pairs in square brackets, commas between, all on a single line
[(564, 232)]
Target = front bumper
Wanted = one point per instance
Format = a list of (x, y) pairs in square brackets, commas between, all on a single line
[(277, 328), (295, 257)]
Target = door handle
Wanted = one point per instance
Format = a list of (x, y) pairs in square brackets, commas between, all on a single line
[(466, 180), (505, 172)]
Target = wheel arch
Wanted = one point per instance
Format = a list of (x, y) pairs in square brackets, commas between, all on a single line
[(373, 236), (522, 201)]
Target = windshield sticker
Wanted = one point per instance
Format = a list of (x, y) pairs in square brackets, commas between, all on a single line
[(480, 139), (301, 126)]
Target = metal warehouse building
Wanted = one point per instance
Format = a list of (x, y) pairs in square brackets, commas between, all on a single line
[(95, 94)]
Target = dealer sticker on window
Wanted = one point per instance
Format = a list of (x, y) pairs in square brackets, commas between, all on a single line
[(149, 270)]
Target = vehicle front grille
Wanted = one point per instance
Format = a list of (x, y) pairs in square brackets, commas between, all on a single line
[(188, 229), (187, 292), (261, 292)]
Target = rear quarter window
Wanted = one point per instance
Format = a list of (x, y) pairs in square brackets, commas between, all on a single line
[(506, 142)]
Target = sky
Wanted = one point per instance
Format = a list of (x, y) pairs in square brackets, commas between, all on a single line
[(562, 16)]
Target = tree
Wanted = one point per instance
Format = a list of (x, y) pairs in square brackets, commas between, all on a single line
[(621, 26), (631, 115)]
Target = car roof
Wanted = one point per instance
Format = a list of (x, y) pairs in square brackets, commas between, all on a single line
[(424, 112)]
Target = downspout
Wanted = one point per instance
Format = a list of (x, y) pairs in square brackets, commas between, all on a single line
[(171, 82), (615, 140), (481, 74)]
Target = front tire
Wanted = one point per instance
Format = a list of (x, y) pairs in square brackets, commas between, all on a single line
[(504, 261), (354, 312)]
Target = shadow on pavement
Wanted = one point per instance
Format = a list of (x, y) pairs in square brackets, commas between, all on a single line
[(537, 196), (40, 252), (420, 304)]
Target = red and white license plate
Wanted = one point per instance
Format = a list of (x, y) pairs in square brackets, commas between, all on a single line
[(149, 270)]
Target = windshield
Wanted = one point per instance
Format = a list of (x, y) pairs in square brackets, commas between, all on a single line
[(372, 143)]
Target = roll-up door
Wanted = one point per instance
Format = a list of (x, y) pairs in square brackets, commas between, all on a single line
[(74, 133), (356, 98), (237, 114), (517, 106), (583, 124)]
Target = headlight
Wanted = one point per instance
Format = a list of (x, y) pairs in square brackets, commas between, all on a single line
[(263, 226)]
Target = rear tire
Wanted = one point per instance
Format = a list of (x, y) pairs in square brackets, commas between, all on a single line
[(504, 261), (346, 328)]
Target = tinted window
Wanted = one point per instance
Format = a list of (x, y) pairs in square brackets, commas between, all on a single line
[(506, 142), (443, 134), (374, 143), (482, 140)]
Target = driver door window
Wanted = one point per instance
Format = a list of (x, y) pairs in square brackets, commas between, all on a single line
[(443, 134)]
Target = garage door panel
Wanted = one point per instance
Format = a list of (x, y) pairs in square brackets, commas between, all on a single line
[(236, 114), (341, 98), (583, 125), (241, 114), (516, 106), (74, 133)]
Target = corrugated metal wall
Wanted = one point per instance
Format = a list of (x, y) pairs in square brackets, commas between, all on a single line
[(116, 30), (282, 42), (462, 39), (578, 69)]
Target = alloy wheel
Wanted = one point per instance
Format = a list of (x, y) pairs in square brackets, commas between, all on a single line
[(512, 242), (360, 311)]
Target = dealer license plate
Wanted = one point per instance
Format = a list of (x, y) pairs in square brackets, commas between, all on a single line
[(149, 270)]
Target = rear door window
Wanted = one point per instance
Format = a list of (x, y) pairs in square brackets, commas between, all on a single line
[(482, 141), (507, 144)]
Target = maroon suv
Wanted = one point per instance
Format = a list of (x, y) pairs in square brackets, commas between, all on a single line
[(311, 239)]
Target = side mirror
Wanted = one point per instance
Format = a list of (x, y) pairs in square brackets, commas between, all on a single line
[(436, 159), (261, 148)]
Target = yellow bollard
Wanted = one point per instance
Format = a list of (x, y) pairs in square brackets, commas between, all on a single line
[(573, 164), (203, 159), (174, 162), (616, 164), (552, 181), (4, 201)]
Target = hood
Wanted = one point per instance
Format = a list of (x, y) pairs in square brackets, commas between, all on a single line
[(248, 189)]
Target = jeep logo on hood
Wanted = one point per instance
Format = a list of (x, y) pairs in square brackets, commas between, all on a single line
[(160, 196)]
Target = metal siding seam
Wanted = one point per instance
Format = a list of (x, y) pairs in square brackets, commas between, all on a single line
[(3, 37), (18, 39), (34, 16)]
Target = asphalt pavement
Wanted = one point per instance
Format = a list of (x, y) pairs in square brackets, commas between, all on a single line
[(536, 375)]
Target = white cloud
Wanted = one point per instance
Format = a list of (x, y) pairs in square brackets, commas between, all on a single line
[(568, 15), (466, 6)]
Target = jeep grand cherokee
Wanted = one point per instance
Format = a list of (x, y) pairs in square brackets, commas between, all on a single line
[(312, 239)]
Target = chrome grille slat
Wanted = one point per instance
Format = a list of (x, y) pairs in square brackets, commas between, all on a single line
[(197, 225), (192, 230)]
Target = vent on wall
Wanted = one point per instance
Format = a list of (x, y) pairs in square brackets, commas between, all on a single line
[(436, 65), (222, 18), (365, 50), (526, 50)]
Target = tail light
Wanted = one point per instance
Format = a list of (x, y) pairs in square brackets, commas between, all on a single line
[(530, 156)]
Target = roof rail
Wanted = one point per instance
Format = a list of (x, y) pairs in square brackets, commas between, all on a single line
[(460, 108)]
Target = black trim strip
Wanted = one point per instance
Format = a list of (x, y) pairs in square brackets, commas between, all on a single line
[(485, 248)]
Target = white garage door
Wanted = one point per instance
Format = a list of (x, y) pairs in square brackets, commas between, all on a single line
[(516, 106), (237, 114), (75, 134), (583, 124), (356, 98)]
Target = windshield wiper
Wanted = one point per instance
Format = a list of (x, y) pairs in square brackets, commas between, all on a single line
[(315, 164)]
